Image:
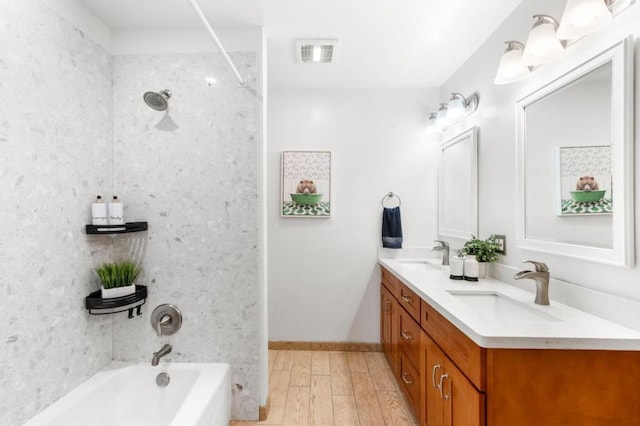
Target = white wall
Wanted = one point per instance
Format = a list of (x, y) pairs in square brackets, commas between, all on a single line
[(323, 275), (608, 291)]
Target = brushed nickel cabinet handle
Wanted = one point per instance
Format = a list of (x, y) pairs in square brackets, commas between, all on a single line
[(433, 375), (406, 335), (404, 379), (442, 395), (407, 299), (387, 305)]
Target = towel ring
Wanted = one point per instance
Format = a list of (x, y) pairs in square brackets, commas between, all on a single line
[(391, 195)]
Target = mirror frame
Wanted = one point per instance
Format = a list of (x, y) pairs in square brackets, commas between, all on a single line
[(622, 252), (472, 134)]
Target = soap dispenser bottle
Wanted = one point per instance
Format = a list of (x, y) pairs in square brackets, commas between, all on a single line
[(456, 267), (471, 269), (99, 212), (116, 216)]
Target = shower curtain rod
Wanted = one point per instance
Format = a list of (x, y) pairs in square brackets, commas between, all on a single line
[(241, 81)]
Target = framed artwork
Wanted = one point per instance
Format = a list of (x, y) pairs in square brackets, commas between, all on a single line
[(585, 180), (306, 184)]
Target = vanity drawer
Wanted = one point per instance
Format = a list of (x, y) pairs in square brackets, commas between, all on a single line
[(409, 336), (465, 354), (409, 379), (409, 301), (390, 282)]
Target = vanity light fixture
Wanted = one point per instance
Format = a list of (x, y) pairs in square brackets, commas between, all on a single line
[(448, 114), (511, 67), (459, 106), (543, 44), (581, 17), (441, 117)]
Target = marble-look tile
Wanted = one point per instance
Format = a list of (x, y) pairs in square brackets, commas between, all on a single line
[(55, 156), (191, 173)]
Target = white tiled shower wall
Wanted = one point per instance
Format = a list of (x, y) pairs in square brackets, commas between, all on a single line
[(192, 174), (55, 155), (73, 124)]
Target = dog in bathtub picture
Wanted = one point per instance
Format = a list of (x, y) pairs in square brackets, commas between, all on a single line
[(586, 180), (306, 194), (587, 190), (588, 197), (306, 183)]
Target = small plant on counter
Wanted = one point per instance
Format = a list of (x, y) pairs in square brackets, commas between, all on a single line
[(117, 274), (483, 250)]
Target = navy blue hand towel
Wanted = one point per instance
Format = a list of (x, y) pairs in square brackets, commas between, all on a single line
[(391, 228)]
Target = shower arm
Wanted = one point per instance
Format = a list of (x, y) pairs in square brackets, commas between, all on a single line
[(241, 81)]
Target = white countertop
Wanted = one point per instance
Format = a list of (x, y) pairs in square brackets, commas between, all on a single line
[(524, 325)]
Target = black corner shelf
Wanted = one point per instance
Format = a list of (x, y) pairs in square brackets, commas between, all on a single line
[(99, 306), (117, 229)]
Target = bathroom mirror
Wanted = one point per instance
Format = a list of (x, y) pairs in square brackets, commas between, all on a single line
[(575, 161), (458, 186)]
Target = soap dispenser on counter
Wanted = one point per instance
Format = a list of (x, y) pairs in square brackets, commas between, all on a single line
[(456, 267), (471, 269)]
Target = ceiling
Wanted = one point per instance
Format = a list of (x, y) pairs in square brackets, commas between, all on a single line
[(383, 43)]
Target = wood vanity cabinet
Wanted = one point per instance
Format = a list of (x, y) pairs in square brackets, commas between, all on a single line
[(449, 398), (451, 381), (400, 335)]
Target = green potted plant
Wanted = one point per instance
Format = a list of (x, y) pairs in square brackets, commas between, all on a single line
[(485, 251), (117, 278)]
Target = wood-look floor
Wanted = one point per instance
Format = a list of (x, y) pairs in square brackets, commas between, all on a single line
[(324, 388)]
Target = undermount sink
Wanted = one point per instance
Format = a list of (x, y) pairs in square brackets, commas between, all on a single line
[(427, 263), (497, 306)]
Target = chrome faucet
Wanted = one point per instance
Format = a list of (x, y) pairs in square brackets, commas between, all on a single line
[(444, 248), (162, 352), (541, 277)]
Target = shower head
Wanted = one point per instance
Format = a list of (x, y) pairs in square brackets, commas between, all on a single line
[(157, 101)]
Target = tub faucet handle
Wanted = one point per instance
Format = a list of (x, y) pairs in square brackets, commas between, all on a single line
[(166, 320)]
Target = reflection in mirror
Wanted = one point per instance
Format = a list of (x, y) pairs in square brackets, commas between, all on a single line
[(575, 162), (569, 120), (458, 186)]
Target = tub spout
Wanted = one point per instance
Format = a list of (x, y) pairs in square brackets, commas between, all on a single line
[(541, 277), (162, 352)]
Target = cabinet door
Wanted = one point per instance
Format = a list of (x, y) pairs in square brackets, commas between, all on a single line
[(432, 368), (388, 327), (408, 335), (409, 380), (463, 404)]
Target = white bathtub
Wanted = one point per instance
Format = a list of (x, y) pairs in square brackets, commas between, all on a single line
[(127, 395)]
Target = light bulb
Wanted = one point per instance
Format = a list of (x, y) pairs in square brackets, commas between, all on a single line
[(317, 53)]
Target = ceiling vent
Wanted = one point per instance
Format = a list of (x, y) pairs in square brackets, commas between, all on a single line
[(319, 51)]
